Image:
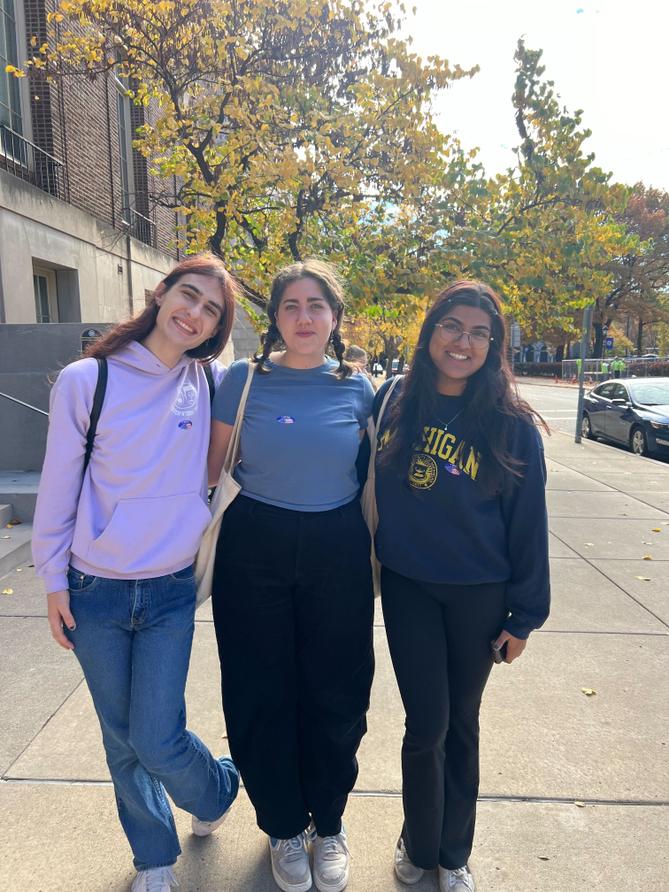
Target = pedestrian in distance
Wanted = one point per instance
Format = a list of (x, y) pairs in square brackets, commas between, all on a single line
[(357, 357), (114, 541), (617, 367), (463, 545), (292, 590)]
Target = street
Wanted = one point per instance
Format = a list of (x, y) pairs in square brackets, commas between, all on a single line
[(556, 405)]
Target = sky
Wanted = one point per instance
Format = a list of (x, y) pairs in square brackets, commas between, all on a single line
[(608, 58)]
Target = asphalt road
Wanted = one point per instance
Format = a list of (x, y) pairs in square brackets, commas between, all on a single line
[(557, 405)]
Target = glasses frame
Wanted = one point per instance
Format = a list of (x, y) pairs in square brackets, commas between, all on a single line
[(476, 343)]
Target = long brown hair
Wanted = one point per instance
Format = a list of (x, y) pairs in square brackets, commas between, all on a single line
[(327, 279), (493, 404), (138, 327)]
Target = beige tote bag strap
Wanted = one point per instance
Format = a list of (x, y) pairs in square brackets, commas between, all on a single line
[(374, 438), (232, 452)]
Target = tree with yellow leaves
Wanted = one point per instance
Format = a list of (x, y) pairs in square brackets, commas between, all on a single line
[(278, 117), (545, 231)]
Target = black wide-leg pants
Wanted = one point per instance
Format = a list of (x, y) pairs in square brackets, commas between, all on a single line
[(293, 610), (439, 638)]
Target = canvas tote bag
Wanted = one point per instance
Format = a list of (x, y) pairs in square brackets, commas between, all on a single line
[(226, 490), (368, 498)]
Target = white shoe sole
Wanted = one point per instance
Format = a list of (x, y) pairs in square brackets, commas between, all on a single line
[(327, 887), (291, 887), (197, 831)]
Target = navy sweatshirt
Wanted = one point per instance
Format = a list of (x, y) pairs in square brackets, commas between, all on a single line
[(437, 524)]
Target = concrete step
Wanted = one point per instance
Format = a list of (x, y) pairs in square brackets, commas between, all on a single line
[(6, 514), (14, 546), (19, 489)]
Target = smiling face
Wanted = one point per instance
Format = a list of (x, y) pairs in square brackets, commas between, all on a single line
[(455, 355), (305, 321), (189, 313)]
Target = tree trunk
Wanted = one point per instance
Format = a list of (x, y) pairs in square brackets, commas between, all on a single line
[(559, 353), (639, 338), (599, 340)]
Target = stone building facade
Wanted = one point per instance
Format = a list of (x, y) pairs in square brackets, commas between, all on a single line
[(81, 237)]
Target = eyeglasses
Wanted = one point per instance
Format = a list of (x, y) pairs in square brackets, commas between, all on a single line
[(450, 331)]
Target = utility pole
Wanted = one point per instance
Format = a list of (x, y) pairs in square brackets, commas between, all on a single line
[(585, 338)]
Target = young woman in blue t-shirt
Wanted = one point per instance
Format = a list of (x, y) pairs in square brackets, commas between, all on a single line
[(463, 544), (292, 592)]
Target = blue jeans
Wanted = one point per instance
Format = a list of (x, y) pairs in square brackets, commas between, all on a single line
[(133, 639)]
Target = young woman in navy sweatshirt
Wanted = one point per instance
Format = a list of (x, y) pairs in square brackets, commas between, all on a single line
[(463, 543)]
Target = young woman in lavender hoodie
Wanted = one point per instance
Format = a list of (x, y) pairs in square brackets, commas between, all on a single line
[(115, 550)]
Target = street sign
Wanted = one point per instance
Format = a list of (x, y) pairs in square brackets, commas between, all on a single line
[(609, 343)]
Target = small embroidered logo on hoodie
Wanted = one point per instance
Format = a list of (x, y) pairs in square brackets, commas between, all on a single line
[(185, 425), (285, 419), (186, 402)]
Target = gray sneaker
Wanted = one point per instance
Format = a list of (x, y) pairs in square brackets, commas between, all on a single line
[(331, 862), (459, 880), (405, 870), (290, 863), (156, 879)]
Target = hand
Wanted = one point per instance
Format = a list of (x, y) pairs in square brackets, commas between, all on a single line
[(514, 646), (58, 604)]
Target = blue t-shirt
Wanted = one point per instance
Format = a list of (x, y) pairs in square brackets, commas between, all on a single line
[(300, 435)]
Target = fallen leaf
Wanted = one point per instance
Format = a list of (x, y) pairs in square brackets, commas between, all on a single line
[(646, 543), (543, 858), (590, 544), (589, 692), (656, 530), (643, 578), (579, 804), (647, 557), (8, 591), (13, 523)]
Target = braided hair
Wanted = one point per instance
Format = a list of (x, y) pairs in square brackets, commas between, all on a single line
[(327, 279)]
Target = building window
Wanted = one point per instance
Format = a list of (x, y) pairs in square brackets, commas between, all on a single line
[(125, 148), (46, 295), (10, 87)]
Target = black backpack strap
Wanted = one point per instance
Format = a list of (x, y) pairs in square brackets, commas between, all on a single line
[(98, 399), (209, 375)]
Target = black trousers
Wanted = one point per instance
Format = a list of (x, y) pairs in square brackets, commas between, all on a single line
[(439, 638), (293, 609)]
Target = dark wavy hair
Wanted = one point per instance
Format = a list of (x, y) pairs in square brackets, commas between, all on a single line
[(138, 327), (493, 405), (328, 280)]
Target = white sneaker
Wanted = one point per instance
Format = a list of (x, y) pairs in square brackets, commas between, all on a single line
[(156, 879), (331, 862), (405, 870), (204, 828), (458, 880), (290, 863)]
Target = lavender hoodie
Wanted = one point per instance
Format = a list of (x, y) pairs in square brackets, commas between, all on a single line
[(141, 508)]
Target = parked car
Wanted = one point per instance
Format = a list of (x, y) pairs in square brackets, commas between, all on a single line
[(630, 411)]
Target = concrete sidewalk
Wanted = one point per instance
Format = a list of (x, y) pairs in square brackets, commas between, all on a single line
[(574, 787)]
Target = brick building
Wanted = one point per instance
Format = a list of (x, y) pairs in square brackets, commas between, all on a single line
[(81, 238)]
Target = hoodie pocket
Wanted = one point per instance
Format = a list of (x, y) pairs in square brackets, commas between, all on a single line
[(145, 536)]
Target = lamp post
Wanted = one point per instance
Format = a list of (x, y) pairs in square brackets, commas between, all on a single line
[(583, 353)]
